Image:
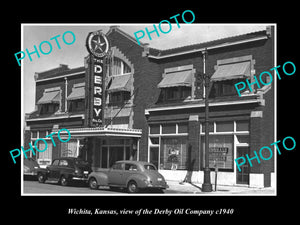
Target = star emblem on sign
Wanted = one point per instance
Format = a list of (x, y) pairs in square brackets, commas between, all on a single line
[(97, 44)]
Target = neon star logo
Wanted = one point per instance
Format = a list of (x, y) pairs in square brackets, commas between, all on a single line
[(97, 44)]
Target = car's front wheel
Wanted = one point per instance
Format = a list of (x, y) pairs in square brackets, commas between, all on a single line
[(132, 187), (64, 181), (41, 178), (93, 183)]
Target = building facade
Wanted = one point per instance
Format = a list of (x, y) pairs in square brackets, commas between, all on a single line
[(154, 108)]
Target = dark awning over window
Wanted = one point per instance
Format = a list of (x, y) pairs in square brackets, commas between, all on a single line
[(232, 71), (120, 83), (112, 112), (181, 78), (50, 97), (78, 92)]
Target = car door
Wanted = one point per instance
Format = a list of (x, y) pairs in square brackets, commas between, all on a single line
[(115, 174), (130, 169), (53, 170), (65, 168)]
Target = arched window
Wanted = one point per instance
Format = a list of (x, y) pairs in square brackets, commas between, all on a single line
[(119, 67)]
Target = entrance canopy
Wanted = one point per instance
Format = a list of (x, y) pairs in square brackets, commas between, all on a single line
[(102, 132)]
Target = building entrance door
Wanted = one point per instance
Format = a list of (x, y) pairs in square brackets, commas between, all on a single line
[(116, 153), (242, 177), (154, 156)]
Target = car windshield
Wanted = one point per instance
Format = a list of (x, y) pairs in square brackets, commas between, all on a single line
[(149, 167)]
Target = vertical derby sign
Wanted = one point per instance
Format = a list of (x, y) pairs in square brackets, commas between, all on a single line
[(98, 46)]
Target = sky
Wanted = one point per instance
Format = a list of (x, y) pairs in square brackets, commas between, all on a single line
[(73, 55)]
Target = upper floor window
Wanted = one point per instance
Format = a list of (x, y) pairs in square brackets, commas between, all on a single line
[(76, 105), (230, 71), (225, 88), (119, 97), (76, 98), (119, 67), (50, 101), (177, 83), (49, 108), (175, 93)]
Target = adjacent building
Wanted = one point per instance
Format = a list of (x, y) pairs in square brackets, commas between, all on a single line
[(154, 108)]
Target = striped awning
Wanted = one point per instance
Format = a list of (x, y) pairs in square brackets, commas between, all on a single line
[(120, 83), (50, 97), (175, 79), (78, 92), (232, 71), (112, 112)]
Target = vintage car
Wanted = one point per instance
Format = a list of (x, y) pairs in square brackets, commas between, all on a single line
[(30, 167), (64, 170), (133, 175)]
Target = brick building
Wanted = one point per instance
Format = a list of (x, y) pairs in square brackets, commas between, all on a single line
[(155, 108)]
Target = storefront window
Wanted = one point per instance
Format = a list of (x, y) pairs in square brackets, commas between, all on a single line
[(182, 127), (174, 153), (210, 127), (34, 134), (169, 128), (116, 149), (69, 149), (44, 158), (242, 125), (224, 126), (154, 129), (243, 139), (220, 151)]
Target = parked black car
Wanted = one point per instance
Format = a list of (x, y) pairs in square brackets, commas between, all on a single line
[(64, 170), (30, 167)]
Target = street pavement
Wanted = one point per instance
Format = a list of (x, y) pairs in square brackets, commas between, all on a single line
[(175, 188)]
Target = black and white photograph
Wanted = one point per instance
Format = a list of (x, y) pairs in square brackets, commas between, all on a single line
[(136, 115), (175, 113)]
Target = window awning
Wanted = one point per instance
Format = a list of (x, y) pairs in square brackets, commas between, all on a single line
[(175, 79), (232, 71), (50, 97), (120, 83), (112, 112), (78, 92)]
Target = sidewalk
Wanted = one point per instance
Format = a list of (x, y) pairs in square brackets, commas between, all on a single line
[(196, 188)]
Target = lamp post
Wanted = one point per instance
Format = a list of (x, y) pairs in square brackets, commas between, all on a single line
[(206, 186)]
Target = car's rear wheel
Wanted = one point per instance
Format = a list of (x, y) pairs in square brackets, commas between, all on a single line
[(41, 178), (64, 181), (132, 187), (93, 183)]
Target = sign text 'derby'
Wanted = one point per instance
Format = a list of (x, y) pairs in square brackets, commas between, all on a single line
[(98, 46)]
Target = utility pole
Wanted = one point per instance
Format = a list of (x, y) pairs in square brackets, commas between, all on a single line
[(206, 186)]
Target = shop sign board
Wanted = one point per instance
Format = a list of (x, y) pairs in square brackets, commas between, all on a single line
[(98, 46), (218, 153), (217, 156)]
